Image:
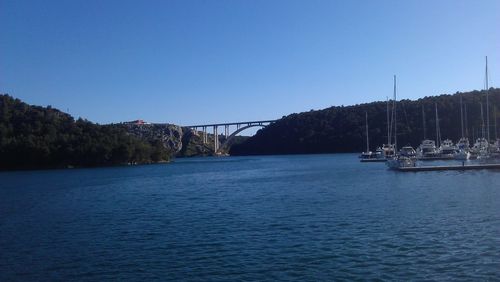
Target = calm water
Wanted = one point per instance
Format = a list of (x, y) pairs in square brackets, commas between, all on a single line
[(318, 217)]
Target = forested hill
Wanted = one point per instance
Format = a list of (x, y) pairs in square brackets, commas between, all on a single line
[(342, 129), (43, 137)]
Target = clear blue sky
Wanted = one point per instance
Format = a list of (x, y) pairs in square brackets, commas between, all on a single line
[(188, 62)]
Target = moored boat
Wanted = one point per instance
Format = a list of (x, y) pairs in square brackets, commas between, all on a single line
[(398, 162), (463, 146), (463, 149), (408, 152), (369, 156), (427, 150), (495, 149), (388, 150), (377, 156), (406, 157), (479, 149), (447, 150)]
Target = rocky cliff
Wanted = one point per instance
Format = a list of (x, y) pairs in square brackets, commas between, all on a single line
[(180, 141), (170, 135)]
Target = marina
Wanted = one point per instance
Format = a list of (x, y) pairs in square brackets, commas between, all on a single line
[(485, 151)]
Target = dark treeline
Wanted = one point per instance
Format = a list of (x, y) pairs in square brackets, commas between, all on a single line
[(342, 129), (44, 137)]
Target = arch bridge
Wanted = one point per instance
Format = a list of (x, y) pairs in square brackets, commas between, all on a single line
[(237, 127)]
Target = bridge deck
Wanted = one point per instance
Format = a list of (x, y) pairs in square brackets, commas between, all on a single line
[(231, 123)]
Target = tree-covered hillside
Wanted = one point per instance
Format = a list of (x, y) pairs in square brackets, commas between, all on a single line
[(43, 137), (342, 129)]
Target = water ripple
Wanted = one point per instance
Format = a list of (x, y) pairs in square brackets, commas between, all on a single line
[(324, 217)]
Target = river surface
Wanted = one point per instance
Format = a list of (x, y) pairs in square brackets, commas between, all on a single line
[(312, 217)]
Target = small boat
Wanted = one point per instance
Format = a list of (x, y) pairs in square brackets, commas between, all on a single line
[(479, 149), (463, 149), (447, 150), (463, 146), (398, 162), (385, 152), (406, 157), (369, 156), (388, 150), (495, 148), (408, 151), (378, 156), (427, 150), (366, 155)]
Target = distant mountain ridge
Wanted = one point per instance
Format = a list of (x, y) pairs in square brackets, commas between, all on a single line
[(342, 128), (44, 137)]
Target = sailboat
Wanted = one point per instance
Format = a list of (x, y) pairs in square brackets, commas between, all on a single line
[(388, 149), (369, 156), (406, 158), (480, 148), (493, 148), (486, 86), (446, 148), (427, 149), (496, 146), (462, 144)]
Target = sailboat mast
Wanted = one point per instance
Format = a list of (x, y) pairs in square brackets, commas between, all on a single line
[(495, 117), (487, 103), (466, 123), (367, 139), (482, 121), (423, 122), (395, 118), (462, 115), (388, 126), (437, 126), (392, 119)]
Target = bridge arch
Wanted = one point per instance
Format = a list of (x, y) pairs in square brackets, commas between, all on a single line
[(240, 126), (231, 137)]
